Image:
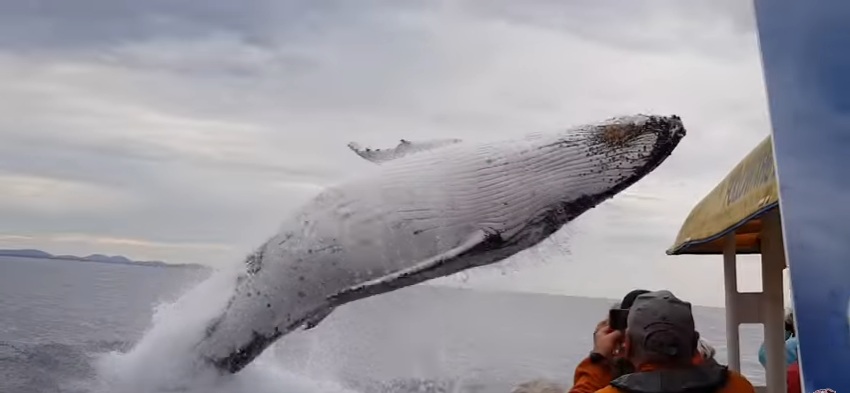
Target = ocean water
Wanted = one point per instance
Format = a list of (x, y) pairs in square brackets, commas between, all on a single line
[(68, 326)]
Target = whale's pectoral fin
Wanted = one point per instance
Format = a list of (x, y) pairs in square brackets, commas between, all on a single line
[(404, 148), (320, 316), (478, 241)]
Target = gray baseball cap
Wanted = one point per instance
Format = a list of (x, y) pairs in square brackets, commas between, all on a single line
[(663, 324)]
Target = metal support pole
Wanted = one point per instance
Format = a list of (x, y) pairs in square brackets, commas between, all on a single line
[(730, 275), (772, 299)]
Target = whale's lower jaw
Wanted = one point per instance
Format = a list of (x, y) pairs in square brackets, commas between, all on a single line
[(238, 359)]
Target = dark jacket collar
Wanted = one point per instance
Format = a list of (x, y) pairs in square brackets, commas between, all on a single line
[(705, 378)]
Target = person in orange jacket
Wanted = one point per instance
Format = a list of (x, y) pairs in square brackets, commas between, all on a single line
[(622, 366), (660, 339)]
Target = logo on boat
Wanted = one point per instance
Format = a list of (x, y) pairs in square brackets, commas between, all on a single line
[(756, 171), (824, 391)]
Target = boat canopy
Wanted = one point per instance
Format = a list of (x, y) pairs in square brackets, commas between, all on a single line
[(741, 215), (736, 205)]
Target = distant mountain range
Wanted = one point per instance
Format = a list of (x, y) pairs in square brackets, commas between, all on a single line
[(100, 258)]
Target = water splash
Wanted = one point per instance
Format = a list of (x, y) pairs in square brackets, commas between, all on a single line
[(164, 360)]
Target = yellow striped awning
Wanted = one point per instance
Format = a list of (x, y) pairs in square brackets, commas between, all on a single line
[(736, 204)]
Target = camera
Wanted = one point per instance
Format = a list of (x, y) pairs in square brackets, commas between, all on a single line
[(617, 318)]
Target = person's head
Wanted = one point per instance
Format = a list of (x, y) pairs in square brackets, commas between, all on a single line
[(789, 324), (630, 297), (660, 331), (621, 365)]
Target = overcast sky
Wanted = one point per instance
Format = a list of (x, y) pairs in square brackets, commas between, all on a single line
[(187, 130)]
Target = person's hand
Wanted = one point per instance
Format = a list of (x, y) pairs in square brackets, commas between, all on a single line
[(605, 339)]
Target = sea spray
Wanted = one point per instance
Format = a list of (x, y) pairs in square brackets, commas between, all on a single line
[(164, 359)]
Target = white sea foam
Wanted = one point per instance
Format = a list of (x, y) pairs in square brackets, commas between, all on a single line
[(164, 360)]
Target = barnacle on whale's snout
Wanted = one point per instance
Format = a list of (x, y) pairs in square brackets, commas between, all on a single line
[(619, 134)]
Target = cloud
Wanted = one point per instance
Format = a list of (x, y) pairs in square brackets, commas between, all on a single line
[(36, 195), (207, 123)]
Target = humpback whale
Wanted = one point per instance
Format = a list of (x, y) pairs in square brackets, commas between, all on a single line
[(429, 209)]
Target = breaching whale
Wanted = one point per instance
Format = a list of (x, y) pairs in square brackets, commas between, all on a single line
[(428, 210)]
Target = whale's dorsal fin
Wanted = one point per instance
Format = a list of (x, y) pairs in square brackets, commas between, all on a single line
[(404, 148), (429, 268)]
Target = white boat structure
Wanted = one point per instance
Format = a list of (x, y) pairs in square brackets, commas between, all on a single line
[(741, 215)]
